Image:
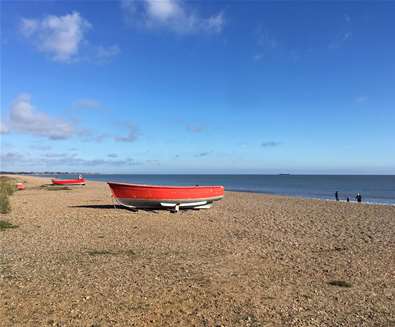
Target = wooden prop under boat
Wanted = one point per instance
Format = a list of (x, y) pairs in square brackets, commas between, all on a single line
[(138, 196), (78, 181)]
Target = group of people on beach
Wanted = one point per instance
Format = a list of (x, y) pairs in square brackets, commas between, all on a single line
[(358, 197)]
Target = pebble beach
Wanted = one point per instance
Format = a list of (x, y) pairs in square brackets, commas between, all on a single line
[(250, 260)]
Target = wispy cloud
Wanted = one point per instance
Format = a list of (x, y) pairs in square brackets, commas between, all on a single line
[(258, 57), (87, 135), (105, 54), (361, 99), (62, 37), (25, 118), (214, 23), (8, 160), (87, 104), (269, 144), (112, 155), (174, 15), (3, 128), (40, 147), (60, 155), (202, 154), (344, 36), (266, 40), (131, 136), (347, 18), (152, 162), (340, 40), (266, 43), (195, 128)]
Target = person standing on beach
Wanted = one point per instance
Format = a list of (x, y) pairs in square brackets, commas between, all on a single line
[(348, 199), (337, 196), (359, 198)]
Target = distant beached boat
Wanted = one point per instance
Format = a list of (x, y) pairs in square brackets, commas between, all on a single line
[(20, 186), (137, 196), (77, 181)]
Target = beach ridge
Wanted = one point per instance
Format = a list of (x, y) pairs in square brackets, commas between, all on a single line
[(250, 260)]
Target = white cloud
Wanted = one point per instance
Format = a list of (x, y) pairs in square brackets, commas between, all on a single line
[(164, 9), (25, 118), (59, 36), (172, 14), (64, 37)]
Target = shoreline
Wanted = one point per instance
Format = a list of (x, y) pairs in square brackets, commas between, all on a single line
[(257, 192), (310, 198)]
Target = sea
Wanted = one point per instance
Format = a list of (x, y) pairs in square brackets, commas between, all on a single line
[(379, 189)]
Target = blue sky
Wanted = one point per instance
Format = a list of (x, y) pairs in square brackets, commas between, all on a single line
[(198, 86)]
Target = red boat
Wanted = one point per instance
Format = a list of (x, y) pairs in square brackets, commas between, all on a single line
[(137, 196), (20, 186), (78, 181)]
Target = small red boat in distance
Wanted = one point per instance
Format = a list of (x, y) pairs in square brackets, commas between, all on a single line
[(20, 186), (137, 196), (79, 181)]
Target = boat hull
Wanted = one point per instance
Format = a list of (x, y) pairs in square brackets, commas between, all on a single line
[(20, 186), (166, 197), (80, 181)]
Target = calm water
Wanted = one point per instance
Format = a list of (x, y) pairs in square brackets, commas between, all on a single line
[(375, 189)]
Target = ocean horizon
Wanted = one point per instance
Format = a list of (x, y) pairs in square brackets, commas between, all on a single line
[(378, 189)]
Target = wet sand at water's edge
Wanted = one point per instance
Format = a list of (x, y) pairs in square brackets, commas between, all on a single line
[(250, 260)]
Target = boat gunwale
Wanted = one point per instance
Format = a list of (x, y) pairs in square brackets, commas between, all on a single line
[(67, 180), (80, 181)]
